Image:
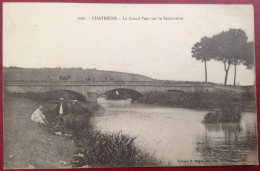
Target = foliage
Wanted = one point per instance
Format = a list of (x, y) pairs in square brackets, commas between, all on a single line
[(248, 55), (192, 100), (104, 149), (199, 99), (204, 51), (229, 47), (227, 106), (111, 150), (227, 115), (230, 109), (99, 149)]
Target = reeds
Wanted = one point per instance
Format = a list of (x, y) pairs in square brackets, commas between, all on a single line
[(111, 150), (108, 150)]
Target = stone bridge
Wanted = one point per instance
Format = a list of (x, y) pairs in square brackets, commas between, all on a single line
[(98, 88)]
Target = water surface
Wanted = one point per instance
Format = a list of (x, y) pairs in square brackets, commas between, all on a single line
[(176, 136)]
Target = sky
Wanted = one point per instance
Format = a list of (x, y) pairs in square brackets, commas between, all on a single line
[(39, 35)]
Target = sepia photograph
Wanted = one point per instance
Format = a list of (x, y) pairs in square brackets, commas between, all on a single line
[(88, 85)]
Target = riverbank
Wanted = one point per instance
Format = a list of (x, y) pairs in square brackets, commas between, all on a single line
[(96, 148), (86, 146), (200, 100), (28, 145)]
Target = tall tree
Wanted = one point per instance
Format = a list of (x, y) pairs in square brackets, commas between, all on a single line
[(229, 45), (248, 55), (203, 50)]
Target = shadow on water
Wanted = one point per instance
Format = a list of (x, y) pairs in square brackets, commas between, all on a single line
[(227, 143)]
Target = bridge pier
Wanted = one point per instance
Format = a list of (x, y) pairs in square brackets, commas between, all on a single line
[(92, 97)]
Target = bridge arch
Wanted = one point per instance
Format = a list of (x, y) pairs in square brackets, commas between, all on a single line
[(66, 94), (122, 93)]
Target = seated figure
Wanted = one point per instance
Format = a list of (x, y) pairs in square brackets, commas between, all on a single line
[(38, 116)]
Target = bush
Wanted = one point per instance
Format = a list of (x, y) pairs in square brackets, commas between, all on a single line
[(192, 100), (212, 117), (108, 149), (226, 116), (200, 100), (98, 149), (230, 109), (111, 150)]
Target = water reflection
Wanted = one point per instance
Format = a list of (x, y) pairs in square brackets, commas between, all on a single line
[(231, 130), (228, 143), (175, 134)]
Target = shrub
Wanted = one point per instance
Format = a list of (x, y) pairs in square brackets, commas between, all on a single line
[(193, 100), (199, 100), (112, 150), (108, 149), (227, 116)]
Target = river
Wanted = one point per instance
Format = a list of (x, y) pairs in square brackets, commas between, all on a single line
[(177, 137)]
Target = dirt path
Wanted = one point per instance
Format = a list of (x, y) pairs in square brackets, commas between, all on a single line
[(30, 144)]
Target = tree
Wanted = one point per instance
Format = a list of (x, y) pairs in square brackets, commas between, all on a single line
[(229, 45), (248, 55), (204, 51)]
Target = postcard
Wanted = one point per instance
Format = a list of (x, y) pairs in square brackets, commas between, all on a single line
[(128, 85)]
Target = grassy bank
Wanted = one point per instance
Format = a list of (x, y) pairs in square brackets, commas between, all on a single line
[(94, 148), (28, 144)]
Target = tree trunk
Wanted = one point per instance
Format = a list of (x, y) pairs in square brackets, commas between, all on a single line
[(226, 70), (206, 74), (225, 83), (235, 75)]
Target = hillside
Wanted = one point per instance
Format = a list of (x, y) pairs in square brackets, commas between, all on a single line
[(71, 74)]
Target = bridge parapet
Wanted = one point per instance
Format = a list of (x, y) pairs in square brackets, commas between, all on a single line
[(100, 87), (106, 83)]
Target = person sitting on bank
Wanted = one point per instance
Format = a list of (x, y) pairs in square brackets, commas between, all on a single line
[(38, 116)]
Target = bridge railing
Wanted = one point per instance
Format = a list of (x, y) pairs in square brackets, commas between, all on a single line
[(103, 83)]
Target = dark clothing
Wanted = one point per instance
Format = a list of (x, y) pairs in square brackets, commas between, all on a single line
[(57, 109)]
